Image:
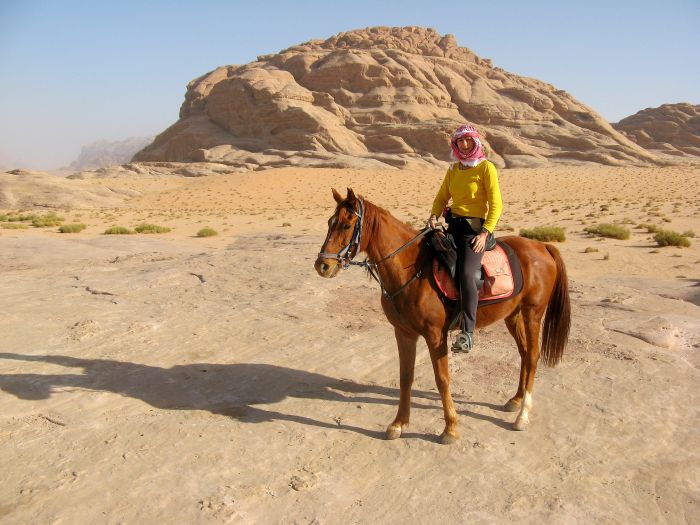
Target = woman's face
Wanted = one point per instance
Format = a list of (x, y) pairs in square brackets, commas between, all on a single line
[(465, 144)]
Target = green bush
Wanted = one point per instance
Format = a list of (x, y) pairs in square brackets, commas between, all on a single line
[(650, 228), (118, 230), (151, 228), (614, 231), (671, 238), (46, 221), (76, 227), (688, 233), (206, 232), (544, 233), (14, 226), (18, 217)]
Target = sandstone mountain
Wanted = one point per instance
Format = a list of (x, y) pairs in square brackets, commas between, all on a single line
[(672, 129), (381, 96), (103, 153)]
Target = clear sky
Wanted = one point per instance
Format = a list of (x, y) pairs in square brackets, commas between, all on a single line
[(73, 72)]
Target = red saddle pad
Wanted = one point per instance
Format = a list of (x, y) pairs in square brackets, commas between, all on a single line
[(497, 275)]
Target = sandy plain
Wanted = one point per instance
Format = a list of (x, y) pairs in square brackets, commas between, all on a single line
[(176, 379)]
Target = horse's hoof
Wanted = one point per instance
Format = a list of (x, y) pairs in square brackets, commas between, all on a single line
[(512, 406), (393, 432), (521, 423), (448, 439)]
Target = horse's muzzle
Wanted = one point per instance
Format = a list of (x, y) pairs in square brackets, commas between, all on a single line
[(327, 267)]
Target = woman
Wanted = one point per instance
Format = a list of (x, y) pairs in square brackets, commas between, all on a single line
[(472, 184)]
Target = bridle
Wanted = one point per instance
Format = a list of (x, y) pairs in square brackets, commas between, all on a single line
[(346, 255)]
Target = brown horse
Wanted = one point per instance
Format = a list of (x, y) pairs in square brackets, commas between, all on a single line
[(400, 261)]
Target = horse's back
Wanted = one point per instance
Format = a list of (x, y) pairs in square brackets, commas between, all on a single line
[(537, 262)]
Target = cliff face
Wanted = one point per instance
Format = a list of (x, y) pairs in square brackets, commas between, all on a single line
[(672, 129), (381, 96)]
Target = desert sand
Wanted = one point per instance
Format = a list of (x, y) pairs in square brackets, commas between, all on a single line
[(175, 379)]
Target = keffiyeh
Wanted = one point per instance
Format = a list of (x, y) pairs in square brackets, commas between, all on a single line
[(473, 157)]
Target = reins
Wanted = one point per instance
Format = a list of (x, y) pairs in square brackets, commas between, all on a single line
[(346, 255)]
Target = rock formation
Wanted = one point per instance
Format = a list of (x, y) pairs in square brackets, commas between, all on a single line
[(671, 129), (376, 97), (105, 153)]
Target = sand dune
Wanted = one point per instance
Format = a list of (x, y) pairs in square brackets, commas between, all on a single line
[(180, 379)]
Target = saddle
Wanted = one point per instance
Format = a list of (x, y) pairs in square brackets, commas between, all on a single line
[(500, 276)]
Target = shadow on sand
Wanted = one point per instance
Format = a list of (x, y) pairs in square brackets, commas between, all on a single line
[(231, 390)]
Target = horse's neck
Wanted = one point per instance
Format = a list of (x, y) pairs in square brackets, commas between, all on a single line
[(386, 235)]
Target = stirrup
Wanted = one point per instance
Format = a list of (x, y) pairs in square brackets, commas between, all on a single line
[(463, 342)]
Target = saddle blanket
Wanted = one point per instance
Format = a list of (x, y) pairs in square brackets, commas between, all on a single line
[(500, 271)]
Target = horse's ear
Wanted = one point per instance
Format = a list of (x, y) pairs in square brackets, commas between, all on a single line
[(351, 196), (337, 196)]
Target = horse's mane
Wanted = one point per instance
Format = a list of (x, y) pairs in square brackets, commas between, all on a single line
[(373, 222)]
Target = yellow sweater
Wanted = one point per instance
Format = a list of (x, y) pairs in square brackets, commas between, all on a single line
[(474, 192)]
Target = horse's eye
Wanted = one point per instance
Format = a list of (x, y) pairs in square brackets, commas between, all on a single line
[(347, 226)]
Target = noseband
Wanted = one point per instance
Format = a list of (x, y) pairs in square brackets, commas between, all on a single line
[(347, 254)]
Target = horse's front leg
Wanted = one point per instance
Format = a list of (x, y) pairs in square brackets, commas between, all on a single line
[(438, 355), (407, 362)]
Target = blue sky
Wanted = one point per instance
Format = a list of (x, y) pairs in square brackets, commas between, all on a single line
[(72, 72)]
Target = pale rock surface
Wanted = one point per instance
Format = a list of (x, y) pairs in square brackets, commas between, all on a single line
[(25, 189), (671, 129), (381, 96)]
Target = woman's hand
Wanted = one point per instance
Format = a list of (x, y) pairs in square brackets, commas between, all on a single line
[(479, 242), (432, 222)]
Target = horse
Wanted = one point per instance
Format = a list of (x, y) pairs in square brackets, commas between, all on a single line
[(400, 260)]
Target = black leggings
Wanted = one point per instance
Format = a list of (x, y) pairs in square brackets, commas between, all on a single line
[(468, 265)]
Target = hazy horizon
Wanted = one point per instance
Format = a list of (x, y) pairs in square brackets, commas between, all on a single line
[(76, 73)]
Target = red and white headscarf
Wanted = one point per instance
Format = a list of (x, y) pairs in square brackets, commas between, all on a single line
[(473, 157)]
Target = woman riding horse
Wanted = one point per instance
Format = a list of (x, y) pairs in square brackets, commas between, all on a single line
[(472, 184)]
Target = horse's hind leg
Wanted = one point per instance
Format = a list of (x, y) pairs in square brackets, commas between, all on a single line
[(516, 327), (532, 319), (407, 361)]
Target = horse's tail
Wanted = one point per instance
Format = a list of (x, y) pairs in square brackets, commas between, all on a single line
[(557, 320)]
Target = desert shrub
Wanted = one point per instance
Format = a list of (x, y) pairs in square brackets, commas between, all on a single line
[(670, 238), (151, 228), (19, 217), (650, 228), (118, 230), (14, 226), (688, 233), (544, 233), (75, 227), (46, 221), (614, 231), (207, 232), (3, 217), (590, 249)]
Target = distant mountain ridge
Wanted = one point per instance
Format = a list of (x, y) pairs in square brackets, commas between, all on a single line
[(104, 153), (380, 97), (672, 129)]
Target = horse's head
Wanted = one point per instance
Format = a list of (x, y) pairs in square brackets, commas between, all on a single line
[(344, 235)]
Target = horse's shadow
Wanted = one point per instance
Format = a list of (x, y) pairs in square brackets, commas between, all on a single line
[(232, 390)]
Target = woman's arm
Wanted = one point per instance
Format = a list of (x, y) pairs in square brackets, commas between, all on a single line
[(493, 195)]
